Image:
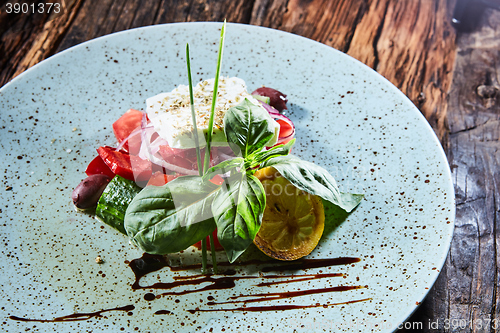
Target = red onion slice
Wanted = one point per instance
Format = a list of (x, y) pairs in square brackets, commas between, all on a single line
[(149, 150), (134, 132)]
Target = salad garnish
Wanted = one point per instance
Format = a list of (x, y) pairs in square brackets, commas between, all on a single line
[(180, 208), (199, 162), (214, 98)]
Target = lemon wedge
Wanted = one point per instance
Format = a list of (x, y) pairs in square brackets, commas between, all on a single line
[(293, 220)]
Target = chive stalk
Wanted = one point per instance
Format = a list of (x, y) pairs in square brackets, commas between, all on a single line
[(206, 164), (198, 153), (193, 113), (211, 128), (214, 99)]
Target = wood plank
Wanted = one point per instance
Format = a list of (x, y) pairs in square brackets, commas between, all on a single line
[(268, 13), (199, 10), (90, 16), (469, 284), (364, 41), (328, 22), (475, 158), (27, 39), (413, 48), (146, 13), (411, 43), (96, 19)]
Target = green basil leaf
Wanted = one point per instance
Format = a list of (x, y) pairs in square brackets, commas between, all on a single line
[(257, 158), (170, 218), (224, 167), (313, 179), (238, 209), (248, 128)]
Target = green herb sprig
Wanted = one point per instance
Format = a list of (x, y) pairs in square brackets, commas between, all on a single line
[(214, 98), (193, 112), (204, 168), (198, 153)]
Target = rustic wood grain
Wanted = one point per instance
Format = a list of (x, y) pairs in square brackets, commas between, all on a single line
[(411, 43), (467, 290), (475, 159), (26, 40), (329, 22), (413, 48)]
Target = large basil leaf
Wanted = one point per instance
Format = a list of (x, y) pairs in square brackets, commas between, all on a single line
[(313, 179), (170, 218), (238, 209), (248, 128)]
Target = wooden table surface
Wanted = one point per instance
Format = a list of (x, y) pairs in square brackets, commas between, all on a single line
[(453, 78)]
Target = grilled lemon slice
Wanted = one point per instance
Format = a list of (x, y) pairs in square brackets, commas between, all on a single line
[(293, 220)]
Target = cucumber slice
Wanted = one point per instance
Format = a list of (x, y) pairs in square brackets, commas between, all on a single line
[(114, 202)]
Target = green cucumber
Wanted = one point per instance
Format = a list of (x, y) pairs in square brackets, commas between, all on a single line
[(114, 202)]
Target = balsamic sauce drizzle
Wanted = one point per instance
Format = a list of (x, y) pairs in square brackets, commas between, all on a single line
[(150, 263), (225, 282), (76, 316), (293, 278), (288, 294), (277, 307)]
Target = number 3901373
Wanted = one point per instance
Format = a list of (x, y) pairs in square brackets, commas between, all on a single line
[(32, 8)]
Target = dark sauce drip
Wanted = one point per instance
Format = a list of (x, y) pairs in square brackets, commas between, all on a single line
[(149, 297), (191, 277), (216, 284), (163, 312), (144, 265), (76, 316), (277, 307), (311, 263), (225, 282), (292, 278), (287, 294), (150, 263)]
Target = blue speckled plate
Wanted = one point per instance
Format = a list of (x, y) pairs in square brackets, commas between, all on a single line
[(349, 120)]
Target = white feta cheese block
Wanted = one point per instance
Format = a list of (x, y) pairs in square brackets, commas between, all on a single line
[(170, 113)]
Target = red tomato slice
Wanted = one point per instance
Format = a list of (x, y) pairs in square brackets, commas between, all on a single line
[(133, 145), (285, 128), (176, 157), (98, 167), (167, 150), (126, 124), (128, 166), (160, 179), (218, 247)]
